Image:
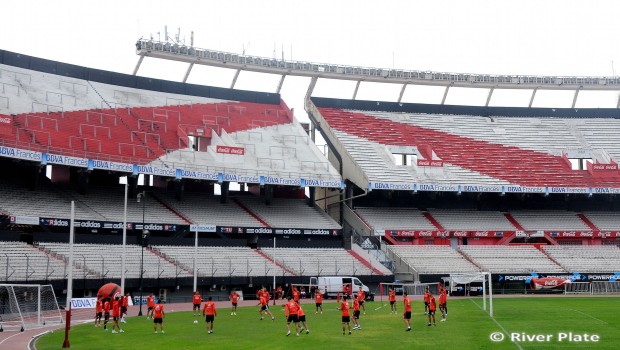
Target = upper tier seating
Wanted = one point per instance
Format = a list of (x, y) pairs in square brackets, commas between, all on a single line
[(292, 213), (395, 218), (433, 259), (586, 258), (471, 220), (510, 259), (549, 220), (605, 220), (86, 119), (479, 152)]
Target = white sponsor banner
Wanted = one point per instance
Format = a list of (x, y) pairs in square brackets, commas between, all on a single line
[(475, 188), (20, 154), (336, 183), (25, 220), (197, 174), (83, 303), (64, 160), (568, 190), (112, 166), (202, 228), (606, 190), (276, 180), (525, 189), (153, 170), (390, 186)]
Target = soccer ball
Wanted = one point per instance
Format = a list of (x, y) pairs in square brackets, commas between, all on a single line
[(195, 321)]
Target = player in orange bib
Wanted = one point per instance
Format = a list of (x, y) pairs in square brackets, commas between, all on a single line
[(158, 317), (443, 304), (301, 315), (98, 312), (291, 310), (264, 307), (124, 307), (150, 303), (116, 315), (361, 298), (296, 295), (432, 306), (426, 300), (346, 316), (392, 296), (234, 299), (407, 314), (318, 301), (210, 312), (356, 314), (196, 301), (106, 314)]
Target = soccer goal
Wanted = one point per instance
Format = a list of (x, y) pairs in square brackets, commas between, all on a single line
[(577, 288), (27, 306), (467, 279), (605, 287)]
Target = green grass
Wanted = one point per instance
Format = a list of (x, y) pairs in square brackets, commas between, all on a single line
[(468, 327)]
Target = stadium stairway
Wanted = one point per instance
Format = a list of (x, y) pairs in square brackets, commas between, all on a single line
[(254, 215), (164, 257), (171, 209), (552, 259), (462, 253), (588, 222), (513, 164), (433, 221), (365, 262)]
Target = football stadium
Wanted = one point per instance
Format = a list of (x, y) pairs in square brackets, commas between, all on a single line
[(335, 222)]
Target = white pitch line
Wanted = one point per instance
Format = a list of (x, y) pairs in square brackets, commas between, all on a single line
[(583, 313), (9, 337), (380, 307), (500, 326)]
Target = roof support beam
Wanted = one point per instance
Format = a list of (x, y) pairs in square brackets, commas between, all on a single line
[(445, 94), (402, 92), (280, 83), (311, 88), (532, 98), (189, 69), (618, 104), (135, 70), (357, 87), (489, 96), (575, 98), (234, 81)]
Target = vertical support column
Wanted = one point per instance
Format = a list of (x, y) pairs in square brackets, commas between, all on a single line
[(532, 98), (575, 97), (310, 90), (445, 94), (189, 69), (402, 92), (135, 70), (280, 83), (234, 81), (489, 96), (357, 87)]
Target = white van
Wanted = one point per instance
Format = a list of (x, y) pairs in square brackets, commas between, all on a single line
[(332, 285)]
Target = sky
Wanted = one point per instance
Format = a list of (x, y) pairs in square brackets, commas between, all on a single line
[(574, 38)]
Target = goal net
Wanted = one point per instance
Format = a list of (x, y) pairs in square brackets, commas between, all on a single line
[(27, 306), (577, 288), (467, 279), (605, 287)]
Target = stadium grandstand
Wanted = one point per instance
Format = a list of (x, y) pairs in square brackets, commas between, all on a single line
[(227, 186)]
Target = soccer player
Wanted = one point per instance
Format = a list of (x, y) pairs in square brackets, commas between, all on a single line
[(318, 301), (264, 306), (346, 316), (432, 306), (264, 293), (106, 314), (356, 314), (296, 295), (291, 310), (301, 315), (116, 315), (158, 317), (234, 298), (407, 314), (196, 300), (280, 293), (124, 307), (426, 300), (392, 296), (150, 303), (210, 312), (98, 312), (361, 297), (443, 304)]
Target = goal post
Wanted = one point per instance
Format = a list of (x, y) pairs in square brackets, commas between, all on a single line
[(479, 277), (27, 306), (577, 288), (605, 287)]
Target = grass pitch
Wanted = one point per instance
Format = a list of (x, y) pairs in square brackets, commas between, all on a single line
[(533, 323)]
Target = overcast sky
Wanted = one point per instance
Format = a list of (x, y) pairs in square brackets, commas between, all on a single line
[(539, 37)]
